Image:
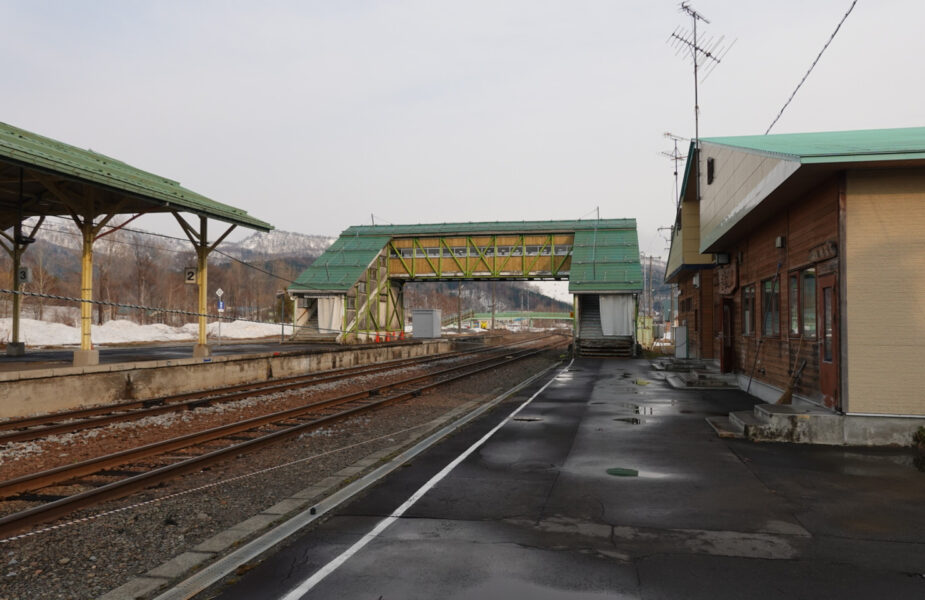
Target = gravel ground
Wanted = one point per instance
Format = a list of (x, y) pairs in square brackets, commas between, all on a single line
[(87, 559)]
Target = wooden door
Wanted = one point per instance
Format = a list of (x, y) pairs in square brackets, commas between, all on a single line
[(727, 336), (828, 340)]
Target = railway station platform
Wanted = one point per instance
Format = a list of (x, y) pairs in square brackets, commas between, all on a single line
[(45, 381), (598, 481)]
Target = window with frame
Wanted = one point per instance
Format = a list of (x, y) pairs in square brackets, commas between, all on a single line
[(802, 306), (770, 307), (748, 310), (808, 293)]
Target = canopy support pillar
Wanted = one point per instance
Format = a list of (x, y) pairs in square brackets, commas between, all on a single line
[(87, 355), (17, 246), (200, 241)]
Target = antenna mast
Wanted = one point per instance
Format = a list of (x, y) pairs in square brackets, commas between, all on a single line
[(675, 156), (710, 52)]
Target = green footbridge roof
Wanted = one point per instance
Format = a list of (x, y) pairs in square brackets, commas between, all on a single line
[(605, 253)]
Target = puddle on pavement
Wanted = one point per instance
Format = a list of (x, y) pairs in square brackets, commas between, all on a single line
[(631, 420), (638, 409), (623, 472)]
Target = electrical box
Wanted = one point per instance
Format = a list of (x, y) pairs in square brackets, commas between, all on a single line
[(680, 341), (425, 323)]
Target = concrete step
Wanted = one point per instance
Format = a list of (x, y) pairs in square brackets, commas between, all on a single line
[(746, 422), (703, 380), (724, 428)]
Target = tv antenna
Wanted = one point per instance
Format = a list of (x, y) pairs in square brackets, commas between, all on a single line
[(676, 157), (705, 54)]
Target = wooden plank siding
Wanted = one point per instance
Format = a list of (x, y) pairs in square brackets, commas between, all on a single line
[(809, 221), (695, 310)]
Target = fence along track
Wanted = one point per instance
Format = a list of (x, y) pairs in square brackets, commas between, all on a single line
[(348, 406)]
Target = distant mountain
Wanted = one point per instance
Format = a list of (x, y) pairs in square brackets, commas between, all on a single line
[(283, 253), (275, 244), (279, 244)]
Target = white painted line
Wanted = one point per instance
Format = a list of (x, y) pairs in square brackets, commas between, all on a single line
[(332, 566), (213, 573)]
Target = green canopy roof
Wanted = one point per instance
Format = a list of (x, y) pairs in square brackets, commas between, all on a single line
[(133, 190)]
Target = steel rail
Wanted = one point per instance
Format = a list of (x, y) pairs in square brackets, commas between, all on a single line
[(137, 409), (131, 404), (34, 481), (17, 522)]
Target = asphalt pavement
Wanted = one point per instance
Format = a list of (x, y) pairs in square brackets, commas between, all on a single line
[(610, 484)]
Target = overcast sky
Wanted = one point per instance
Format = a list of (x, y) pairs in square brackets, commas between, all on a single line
[(315, 115)]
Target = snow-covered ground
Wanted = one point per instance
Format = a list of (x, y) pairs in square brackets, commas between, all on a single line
[(42, 333)]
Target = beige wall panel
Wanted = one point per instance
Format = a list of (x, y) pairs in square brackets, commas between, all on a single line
[(741, 181), (690, 226), (884, 311)]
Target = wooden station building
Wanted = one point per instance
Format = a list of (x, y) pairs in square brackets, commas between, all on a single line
[(808, 247)]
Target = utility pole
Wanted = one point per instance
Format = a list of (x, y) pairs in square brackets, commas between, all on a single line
[(492, 305)]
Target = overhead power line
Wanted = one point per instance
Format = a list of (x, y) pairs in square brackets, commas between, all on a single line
[(831, 37), (163, 249)]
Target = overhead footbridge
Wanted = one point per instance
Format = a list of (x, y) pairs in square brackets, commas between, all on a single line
[(354, 291)]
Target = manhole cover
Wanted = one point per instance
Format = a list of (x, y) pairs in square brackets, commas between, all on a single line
[(527, 419), (622, 472)]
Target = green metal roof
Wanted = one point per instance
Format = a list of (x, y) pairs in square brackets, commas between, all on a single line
[(834, 146), (341, 265), (490, 227), (45, 154), (605, 253), (606, 260)]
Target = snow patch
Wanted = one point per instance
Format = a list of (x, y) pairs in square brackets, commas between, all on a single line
[(42, 333)]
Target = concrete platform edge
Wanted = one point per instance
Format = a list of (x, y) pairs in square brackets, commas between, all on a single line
[(205, 574)]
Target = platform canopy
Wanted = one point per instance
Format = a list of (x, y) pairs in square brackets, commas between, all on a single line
[(40, 176)]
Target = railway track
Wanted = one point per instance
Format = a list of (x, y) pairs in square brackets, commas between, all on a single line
[(32, 428), (62, 490)]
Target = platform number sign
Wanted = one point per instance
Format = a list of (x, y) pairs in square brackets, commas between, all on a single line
[(189, 275), (24, 275)]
